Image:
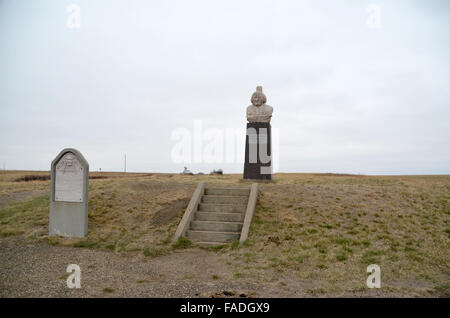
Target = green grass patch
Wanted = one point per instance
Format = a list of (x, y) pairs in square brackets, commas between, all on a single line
[(235, 245), (33, 205), (217, 248), (182, 243), (20, 217), (108, 290), (154, 252), (238, 275), (85, 244), (301, 258), (372, 257)]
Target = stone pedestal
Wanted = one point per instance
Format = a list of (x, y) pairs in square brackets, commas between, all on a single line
[(258, 152)]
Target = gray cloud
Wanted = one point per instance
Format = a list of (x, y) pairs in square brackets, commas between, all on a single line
[(346, 98)]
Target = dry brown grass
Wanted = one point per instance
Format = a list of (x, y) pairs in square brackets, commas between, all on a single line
[(319, 231), (330, 228)]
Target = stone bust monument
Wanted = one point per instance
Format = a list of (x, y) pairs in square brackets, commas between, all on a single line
[(259, 112)]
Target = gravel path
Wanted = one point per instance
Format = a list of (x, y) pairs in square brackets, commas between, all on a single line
[(29, 269)]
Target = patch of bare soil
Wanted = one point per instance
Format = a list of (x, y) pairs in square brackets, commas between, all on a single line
[(32, 177), (169, 212), (153, 187)]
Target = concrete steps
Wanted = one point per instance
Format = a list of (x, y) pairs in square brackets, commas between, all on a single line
[(209, 244), (220, 216), (216, 226), (215, 216), (223, 217), (225, 208), (227, 199), (228, 191)]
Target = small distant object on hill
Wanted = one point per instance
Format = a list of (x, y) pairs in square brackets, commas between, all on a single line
[(218, 171), (200, 173), (186, 171)]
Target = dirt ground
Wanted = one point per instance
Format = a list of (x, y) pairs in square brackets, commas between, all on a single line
[(313, 235), (31, 269)]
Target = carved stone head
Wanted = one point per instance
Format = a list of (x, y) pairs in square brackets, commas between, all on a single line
[(258, 97)]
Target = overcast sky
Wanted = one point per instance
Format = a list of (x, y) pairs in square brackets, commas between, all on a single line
[(350, 95)]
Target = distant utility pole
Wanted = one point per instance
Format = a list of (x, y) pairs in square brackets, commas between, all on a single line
[(125, 164)]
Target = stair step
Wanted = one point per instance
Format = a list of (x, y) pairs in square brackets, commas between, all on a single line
[(227, 208), (216, 226), (209, 244), (218, 216), (227, 191), (236, 199), (212, 236)]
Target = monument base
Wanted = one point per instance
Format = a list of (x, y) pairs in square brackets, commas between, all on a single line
[(258, 152), (68, 219)]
